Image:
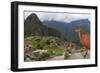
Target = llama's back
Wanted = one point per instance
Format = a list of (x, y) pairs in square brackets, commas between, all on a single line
[(85, 40)]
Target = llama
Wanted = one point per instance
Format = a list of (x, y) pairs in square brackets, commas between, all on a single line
[(84, 39)]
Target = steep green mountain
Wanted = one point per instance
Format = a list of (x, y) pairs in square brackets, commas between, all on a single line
[(33, 26)]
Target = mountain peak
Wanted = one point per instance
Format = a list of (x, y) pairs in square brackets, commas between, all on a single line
[(31, 16)]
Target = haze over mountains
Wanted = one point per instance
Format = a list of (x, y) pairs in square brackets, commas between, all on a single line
[(34, 26), (67, 29)]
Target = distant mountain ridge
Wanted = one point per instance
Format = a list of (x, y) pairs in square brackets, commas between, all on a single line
[(67, 29), (62, 26)]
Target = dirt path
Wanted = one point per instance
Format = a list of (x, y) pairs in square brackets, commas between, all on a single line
[(77, 55), (57, 58)]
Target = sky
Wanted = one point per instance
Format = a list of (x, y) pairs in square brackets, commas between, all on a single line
[(63, 17)]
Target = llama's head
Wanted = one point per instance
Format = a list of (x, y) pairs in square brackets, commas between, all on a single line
[(78, 29)]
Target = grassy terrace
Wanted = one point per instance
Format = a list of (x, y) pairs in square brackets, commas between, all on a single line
[(45, 44)]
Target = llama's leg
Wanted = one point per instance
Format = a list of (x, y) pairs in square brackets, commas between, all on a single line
[(83, 49), (86, 53)]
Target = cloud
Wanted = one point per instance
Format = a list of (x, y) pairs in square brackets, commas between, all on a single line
[(63, 17)]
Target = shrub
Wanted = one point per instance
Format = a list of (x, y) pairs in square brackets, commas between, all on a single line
[(41, 56), (45, 56), (66, 55), (39, 46)]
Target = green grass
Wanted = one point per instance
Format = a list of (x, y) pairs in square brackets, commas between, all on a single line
[(41, 45), (31, 42)]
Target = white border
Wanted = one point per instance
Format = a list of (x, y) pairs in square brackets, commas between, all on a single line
[(22, 64)]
